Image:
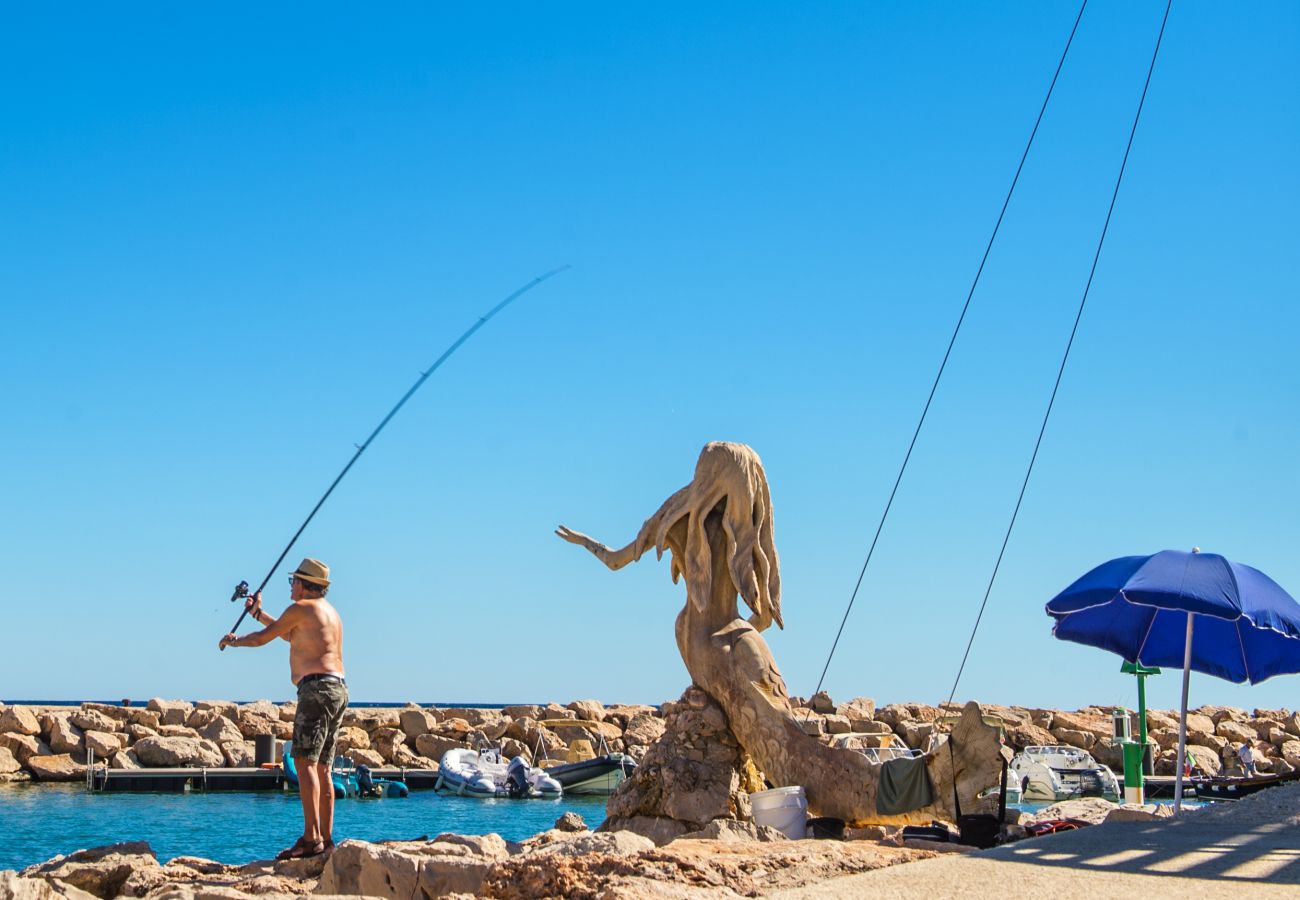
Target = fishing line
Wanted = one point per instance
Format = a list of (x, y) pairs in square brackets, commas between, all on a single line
[(953, 340), (241, 590), (1069, 344)]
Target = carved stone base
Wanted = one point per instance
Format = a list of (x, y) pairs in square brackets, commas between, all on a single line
[(695, 773)]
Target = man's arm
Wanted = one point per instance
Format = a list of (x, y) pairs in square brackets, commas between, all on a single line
[(280, 627)]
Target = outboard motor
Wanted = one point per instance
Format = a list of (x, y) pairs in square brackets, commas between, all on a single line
[(365, 783), (517, 778)]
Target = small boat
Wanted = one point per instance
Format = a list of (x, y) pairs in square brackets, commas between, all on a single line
[(348, 780), (483, 773), (598, 774), (1221, 787), (1059, 772)]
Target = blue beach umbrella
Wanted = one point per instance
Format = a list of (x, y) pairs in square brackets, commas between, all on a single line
[(1184, 610)]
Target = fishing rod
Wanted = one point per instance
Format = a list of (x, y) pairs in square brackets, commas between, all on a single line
[(241, 589)]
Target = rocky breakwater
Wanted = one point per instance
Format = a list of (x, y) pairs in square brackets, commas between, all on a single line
[(1213, 732), (567, 861), (55, 743)]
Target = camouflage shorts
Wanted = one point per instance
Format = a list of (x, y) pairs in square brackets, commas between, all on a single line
[(321, 703)]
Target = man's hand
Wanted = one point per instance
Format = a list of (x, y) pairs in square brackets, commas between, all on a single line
[(228, 641), (253, 606)]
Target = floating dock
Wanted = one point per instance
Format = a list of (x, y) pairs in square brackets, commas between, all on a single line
[(179, 780)]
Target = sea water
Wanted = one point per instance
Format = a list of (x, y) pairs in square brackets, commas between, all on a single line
[(38, 822)]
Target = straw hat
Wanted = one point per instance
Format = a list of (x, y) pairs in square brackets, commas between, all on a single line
[(313, 571)]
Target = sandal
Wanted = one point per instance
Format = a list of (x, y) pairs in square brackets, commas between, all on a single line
[(302, 849)]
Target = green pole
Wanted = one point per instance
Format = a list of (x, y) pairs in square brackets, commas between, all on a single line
[(1135, 753)]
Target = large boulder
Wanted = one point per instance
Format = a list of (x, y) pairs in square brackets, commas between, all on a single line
[(220, 707), (19, 720), (60, 767), (135, 731), (1233, 730), (859, 709), (14, 887), (366, 758), (177, 731), (104, 743), (24, 746), (93, 720), (643, 729), (146, 717), (170, 712), (221, 731), (1206, 759), (124, 759), (1099, 726), (416, 721), (9, 764), (589, 710), (239, 754), (166, 752), (352, 738), (450, 864), (434, 746), (62, 735), (251, 724), (386, 741), (524, 711), (101, 871), (1199, 724)]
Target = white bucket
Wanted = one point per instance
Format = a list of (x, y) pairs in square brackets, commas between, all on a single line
[(785, 809)]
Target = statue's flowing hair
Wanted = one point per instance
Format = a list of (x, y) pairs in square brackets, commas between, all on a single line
[(728, 477)]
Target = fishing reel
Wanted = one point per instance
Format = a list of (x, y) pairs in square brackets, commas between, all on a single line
[(241, 591)]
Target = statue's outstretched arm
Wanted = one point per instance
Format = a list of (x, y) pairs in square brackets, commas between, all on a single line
[(645, 539)]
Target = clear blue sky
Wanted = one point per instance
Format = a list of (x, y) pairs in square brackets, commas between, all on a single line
[(230, 240)]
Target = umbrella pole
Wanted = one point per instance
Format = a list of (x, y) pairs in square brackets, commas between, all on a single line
[(1182, 719)]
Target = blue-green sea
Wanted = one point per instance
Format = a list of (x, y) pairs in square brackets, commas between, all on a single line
[(41, 821)]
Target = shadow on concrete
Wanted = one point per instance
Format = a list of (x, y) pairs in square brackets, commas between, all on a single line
[(1184, 849)]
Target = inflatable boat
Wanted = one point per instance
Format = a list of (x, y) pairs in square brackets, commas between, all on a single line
[(483, 773), (348, 781)]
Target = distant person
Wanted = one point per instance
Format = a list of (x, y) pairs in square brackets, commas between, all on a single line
[(315, 635), (1247, 757)]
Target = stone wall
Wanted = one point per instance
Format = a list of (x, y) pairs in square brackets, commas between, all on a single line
[(53, 743)]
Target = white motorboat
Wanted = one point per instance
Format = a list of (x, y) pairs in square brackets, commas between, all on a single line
[(877, 747), (1060, 773), (483, 773)]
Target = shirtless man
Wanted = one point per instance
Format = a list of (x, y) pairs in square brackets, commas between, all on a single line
[(315, 635)]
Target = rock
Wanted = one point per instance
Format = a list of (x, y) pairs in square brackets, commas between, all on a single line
[(526, 711), (1198, 724), (1205, 758), (179, 751), (449, 864), (353, 738), (263, 709), (170, 712), (570, 821), (100, 871), (510, 748), (24, 746), (366, 758), (1157, 720), (135, 731), (589, 710), (92, 720), (867, 833), (239, 754), (178, 731), (221, 731), (812, 725), (1099, 726), (252, 724), (146, 717), (19, 720), (695, 773), (200, 717), (386, 741), (63, 736), (643, 729), (9, 763), (1220, 713), (915, 734), (289, 711), (863, 708), (124, 759), (821, 702), (220, 707), (729, 831), (1232, 730), (1291, 753), (1090, 809), (415, 722), (837, 724), (61, 767), (15, 887), (1074, 738), (1131, 812), (1213, 741), (104, 744), (434, 746), (1028, 735), (495, 729), (476, 716)]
